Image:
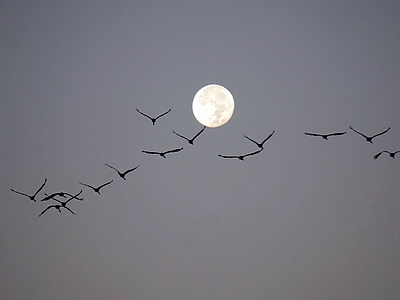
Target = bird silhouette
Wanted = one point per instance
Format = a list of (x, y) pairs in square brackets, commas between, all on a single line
[(369, 138), (122, 174), (96, 189), (325, 136), (240, 157), (59, 194), (62, 204), (260, 145), (153, 120), (392, 154), (193, 138), (34, 195), (163, 153)]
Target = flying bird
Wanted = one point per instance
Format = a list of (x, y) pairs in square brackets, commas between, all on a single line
[(241, 157), (96, 189), (34, 195), (369, 138), (163, 153), (193, 138), (153, 120), (59, 194), (260, 145), (62, 204), (392, 154), (325, 136), (122, 174)]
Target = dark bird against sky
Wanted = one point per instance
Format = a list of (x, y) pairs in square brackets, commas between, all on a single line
[(369, 138), (62, 204), (260, 145), (240, 157), (59, 194), (96, 189), (193, 138), (325, 136), (34, 195), (123, 174), (153, 120), (392, 154), (163, 153)]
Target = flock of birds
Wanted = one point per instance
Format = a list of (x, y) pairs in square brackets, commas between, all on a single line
[(63, 198)]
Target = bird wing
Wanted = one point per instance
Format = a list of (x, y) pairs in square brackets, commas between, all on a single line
[(112, 168), (69, 209), (20, 193), (144, 114), (151, 152), (45, 180), (313, 134), (130, 170), (358, 132), (173, 150), (267, 138), (228, 156), (378, 154), (337, 133), (163, 114), (252, 153), (184, 137), (383, 132), (47, 208), (104, 184), (87, 185), (255, 142), (199, 133), (74, 197)]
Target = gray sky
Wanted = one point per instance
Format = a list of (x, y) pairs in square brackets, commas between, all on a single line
[(304, 219)]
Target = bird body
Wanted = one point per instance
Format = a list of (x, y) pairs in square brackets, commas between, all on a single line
[(162, 154), (392, 154), (122, 174), (369, 138), (190, 141), (240, 157), (153, 120), (325, 136), (96, 189), (32, 197), (260, 145)]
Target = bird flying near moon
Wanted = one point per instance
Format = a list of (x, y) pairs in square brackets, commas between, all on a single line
[(213, 105)]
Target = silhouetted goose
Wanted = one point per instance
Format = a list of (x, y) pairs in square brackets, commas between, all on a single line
[(62, 204), (392, 154), (96, 189), (369, 138), (59, 194), (325, 136), (260, 145), (193, 138), (241, 157), (153, 120), (123, 174), (34, 195), (163, 153)]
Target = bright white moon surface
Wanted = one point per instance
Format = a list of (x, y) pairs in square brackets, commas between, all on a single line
[(213, 105)]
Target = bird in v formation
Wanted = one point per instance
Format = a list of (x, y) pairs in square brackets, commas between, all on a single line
[(32, 197), (162, 154), (325, 136), (392, 154), (122, 174), (190, 141), (62, 204), (240, 157), (59, 194), (260, 145), (369, 138), (96, 189), (153, 120)]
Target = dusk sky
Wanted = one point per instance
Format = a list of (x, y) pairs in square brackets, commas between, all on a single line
[(306, 218)]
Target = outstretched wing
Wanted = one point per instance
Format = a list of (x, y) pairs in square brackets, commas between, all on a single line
[(47, 208), (228, 156), (173, 150), (250, 139), (41, 187), (104, 184), (378, 154), (20, 193), (252, 153), (87, 185), (73, 197), (163, 114), (312, 134), (184, 137), (337, 133), (204, 127), (383, 132), (112, 168), (150, 152), (268, 137), (142, 113), (69, 210), (358, 132), (130, 170)]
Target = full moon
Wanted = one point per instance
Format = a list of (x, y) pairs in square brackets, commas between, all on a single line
[(213, 105)]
